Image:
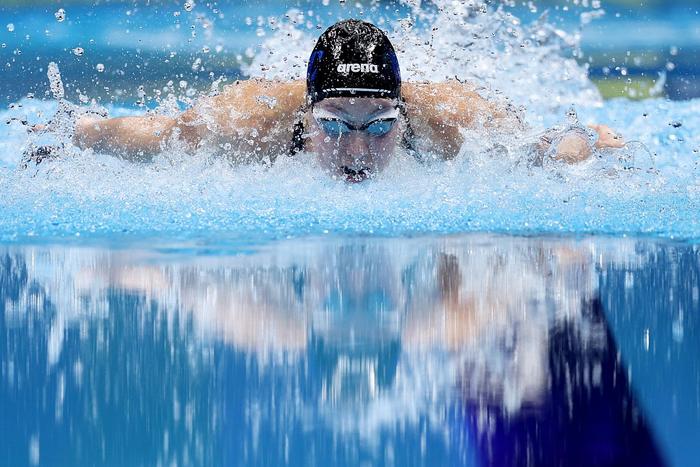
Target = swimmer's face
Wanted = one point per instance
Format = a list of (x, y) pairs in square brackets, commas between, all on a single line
[(355, 137)]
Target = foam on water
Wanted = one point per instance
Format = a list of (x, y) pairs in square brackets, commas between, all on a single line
[(654, 189)]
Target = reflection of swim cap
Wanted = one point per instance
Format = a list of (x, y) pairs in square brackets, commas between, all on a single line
[(353, 59)]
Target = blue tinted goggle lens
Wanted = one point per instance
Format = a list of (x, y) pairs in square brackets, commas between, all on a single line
[(335, 128), (380, 127)]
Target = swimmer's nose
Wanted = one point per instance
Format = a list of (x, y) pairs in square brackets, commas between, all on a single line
[(357, 145)]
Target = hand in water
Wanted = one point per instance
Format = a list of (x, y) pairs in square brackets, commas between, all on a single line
[(607, 138), (575, 147)]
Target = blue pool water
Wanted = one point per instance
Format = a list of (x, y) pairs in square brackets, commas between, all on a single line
[(481, 311), (475, 349)]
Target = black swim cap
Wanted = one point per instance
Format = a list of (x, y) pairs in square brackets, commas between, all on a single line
[(353, 58)]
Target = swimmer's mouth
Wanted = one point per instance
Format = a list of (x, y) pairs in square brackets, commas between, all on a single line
[(356, 175)]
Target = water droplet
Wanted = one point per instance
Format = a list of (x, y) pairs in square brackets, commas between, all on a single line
[(78, 51), (11, 27), (60, 15), (100, 67)]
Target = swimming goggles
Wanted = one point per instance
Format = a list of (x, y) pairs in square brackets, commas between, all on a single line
[(336, 127)]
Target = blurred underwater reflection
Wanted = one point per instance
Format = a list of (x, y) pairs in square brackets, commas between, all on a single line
[(476, 349)]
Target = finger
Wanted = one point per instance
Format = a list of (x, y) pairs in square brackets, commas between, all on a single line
[(610, 140), (618, 142), (613, 139)]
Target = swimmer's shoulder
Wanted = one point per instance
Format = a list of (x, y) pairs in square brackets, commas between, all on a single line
[(425, 92), (264, 95), (252, 102), (460, 102), (254, 114)]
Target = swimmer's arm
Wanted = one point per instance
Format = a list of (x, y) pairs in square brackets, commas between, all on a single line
[(133, 138), (254, 117), (250, 117), (439, 112)]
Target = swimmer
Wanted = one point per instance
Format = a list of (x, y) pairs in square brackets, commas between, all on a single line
[(353, 113)]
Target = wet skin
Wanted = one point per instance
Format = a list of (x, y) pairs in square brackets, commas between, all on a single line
[(225, 122), (357, 155)]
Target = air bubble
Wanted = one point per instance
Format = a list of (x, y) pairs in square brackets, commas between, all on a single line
[(11, 27), (78, 51), (100, 68), (188, 6), (60, 15)]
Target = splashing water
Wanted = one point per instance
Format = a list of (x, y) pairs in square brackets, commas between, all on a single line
[(651, 187)]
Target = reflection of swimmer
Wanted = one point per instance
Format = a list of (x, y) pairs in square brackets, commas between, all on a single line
[(366, 335), (589, 416), (353, 113)]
